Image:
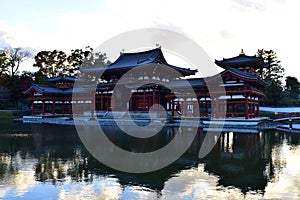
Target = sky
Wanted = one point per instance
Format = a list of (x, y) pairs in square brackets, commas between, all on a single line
[(221, 27)]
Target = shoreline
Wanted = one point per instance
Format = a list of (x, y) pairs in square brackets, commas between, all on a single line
[(229, 124)]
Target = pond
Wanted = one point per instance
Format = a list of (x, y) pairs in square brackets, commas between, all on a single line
[(43, 161)]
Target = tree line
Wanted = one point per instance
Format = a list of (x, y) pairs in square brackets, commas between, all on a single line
[(56, 62), (48, 63), (278, 93)]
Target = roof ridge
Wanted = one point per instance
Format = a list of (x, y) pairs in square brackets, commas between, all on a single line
[(135, 59), (147, 51), (241, 55), (62, 76)]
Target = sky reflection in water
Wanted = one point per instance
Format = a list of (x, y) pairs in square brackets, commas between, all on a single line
[(49, 162)]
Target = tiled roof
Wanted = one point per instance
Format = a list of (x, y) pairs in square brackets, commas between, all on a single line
[(53, 90), (241, 59), (62, 77), (248, 75), (199, 82), (74, 90), (43, 89), (129, 60), (135, 59), (241, 74), (195, 82)]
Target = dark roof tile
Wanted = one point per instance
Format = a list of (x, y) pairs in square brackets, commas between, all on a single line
[(129, 60), (62, 77), (241, 59)]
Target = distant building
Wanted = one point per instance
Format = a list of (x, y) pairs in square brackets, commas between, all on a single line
[(54, 99), (243, 88)]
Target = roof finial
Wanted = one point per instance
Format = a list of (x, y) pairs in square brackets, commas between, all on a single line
[(242, 52), (157, 45), (122, 51)]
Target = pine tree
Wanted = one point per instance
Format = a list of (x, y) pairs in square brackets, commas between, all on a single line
[(273, 74)]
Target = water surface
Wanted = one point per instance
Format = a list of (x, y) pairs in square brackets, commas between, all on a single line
[(40, 161)]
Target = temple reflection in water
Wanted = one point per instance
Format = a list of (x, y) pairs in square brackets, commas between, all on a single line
[(240, 163)]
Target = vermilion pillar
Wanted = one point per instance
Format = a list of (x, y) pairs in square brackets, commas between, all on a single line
[(43, 107), (53, 107), (172, 106), (32, 108), (246, 107)]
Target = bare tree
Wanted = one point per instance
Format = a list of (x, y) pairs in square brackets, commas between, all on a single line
[(15, 57)]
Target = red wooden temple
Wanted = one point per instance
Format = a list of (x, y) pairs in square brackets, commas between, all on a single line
[(138, 74)]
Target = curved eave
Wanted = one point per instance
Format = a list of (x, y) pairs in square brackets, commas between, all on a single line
[(48, 90), (256, 80), (184, 71), (62, 78), (249, 78), (31, 88), (257, 62), (105, 71), (184, 83)]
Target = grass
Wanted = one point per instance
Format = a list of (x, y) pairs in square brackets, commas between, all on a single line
[(266, 114), (6, 115)]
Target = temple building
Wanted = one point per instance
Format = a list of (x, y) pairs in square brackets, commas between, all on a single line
[(244, 88), (56, 97), (150, 80)]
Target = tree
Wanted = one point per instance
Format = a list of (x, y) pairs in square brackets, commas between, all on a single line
[(15, 57), (54, 63), (4, 97), (40, 78), (292, 84), (292, 90), (274, 72), (10, 61), (87, 58), (51, 63), (3, 63), (11, 82), (273, 95)]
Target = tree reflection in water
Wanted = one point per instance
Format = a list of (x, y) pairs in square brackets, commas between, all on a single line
[(247, 162)]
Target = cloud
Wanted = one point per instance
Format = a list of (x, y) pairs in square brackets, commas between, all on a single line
[(221, 27), (17, 36), (226, 34), (5, 36), (250, 4)]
